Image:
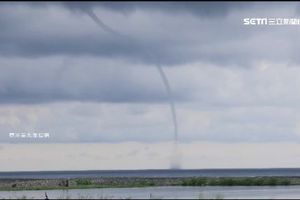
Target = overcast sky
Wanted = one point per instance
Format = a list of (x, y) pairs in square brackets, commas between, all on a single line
[(232, 84)]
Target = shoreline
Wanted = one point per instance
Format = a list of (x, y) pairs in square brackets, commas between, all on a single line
[(132, 182)]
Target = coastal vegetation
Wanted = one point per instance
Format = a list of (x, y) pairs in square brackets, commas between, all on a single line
[(253, 181), (130, 182)]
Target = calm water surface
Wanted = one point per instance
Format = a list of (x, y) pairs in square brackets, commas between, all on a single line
[(154, 173)]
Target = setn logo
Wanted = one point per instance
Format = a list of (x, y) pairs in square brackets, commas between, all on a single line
[(255, 21)]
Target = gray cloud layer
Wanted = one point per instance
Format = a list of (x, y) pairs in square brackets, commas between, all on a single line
[(231, 82), (203, 9), (177, 33), (175, 36)]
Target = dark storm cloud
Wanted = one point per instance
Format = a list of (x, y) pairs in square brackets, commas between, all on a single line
[(177, 33), (16, 94), (203, 9), (87, 80), (177, 38), (19, 38)]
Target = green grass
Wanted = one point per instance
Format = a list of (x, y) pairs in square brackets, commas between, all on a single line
[(263, 181), (86, 183), (83, 182)]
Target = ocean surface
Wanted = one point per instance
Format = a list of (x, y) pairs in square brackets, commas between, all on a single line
[(153, 173)]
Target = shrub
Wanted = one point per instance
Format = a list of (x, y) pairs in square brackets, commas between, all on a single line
[(83, 182)]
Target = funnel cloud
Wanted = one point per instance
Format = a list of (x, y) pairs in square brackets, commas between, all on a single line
[(175, 163)]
